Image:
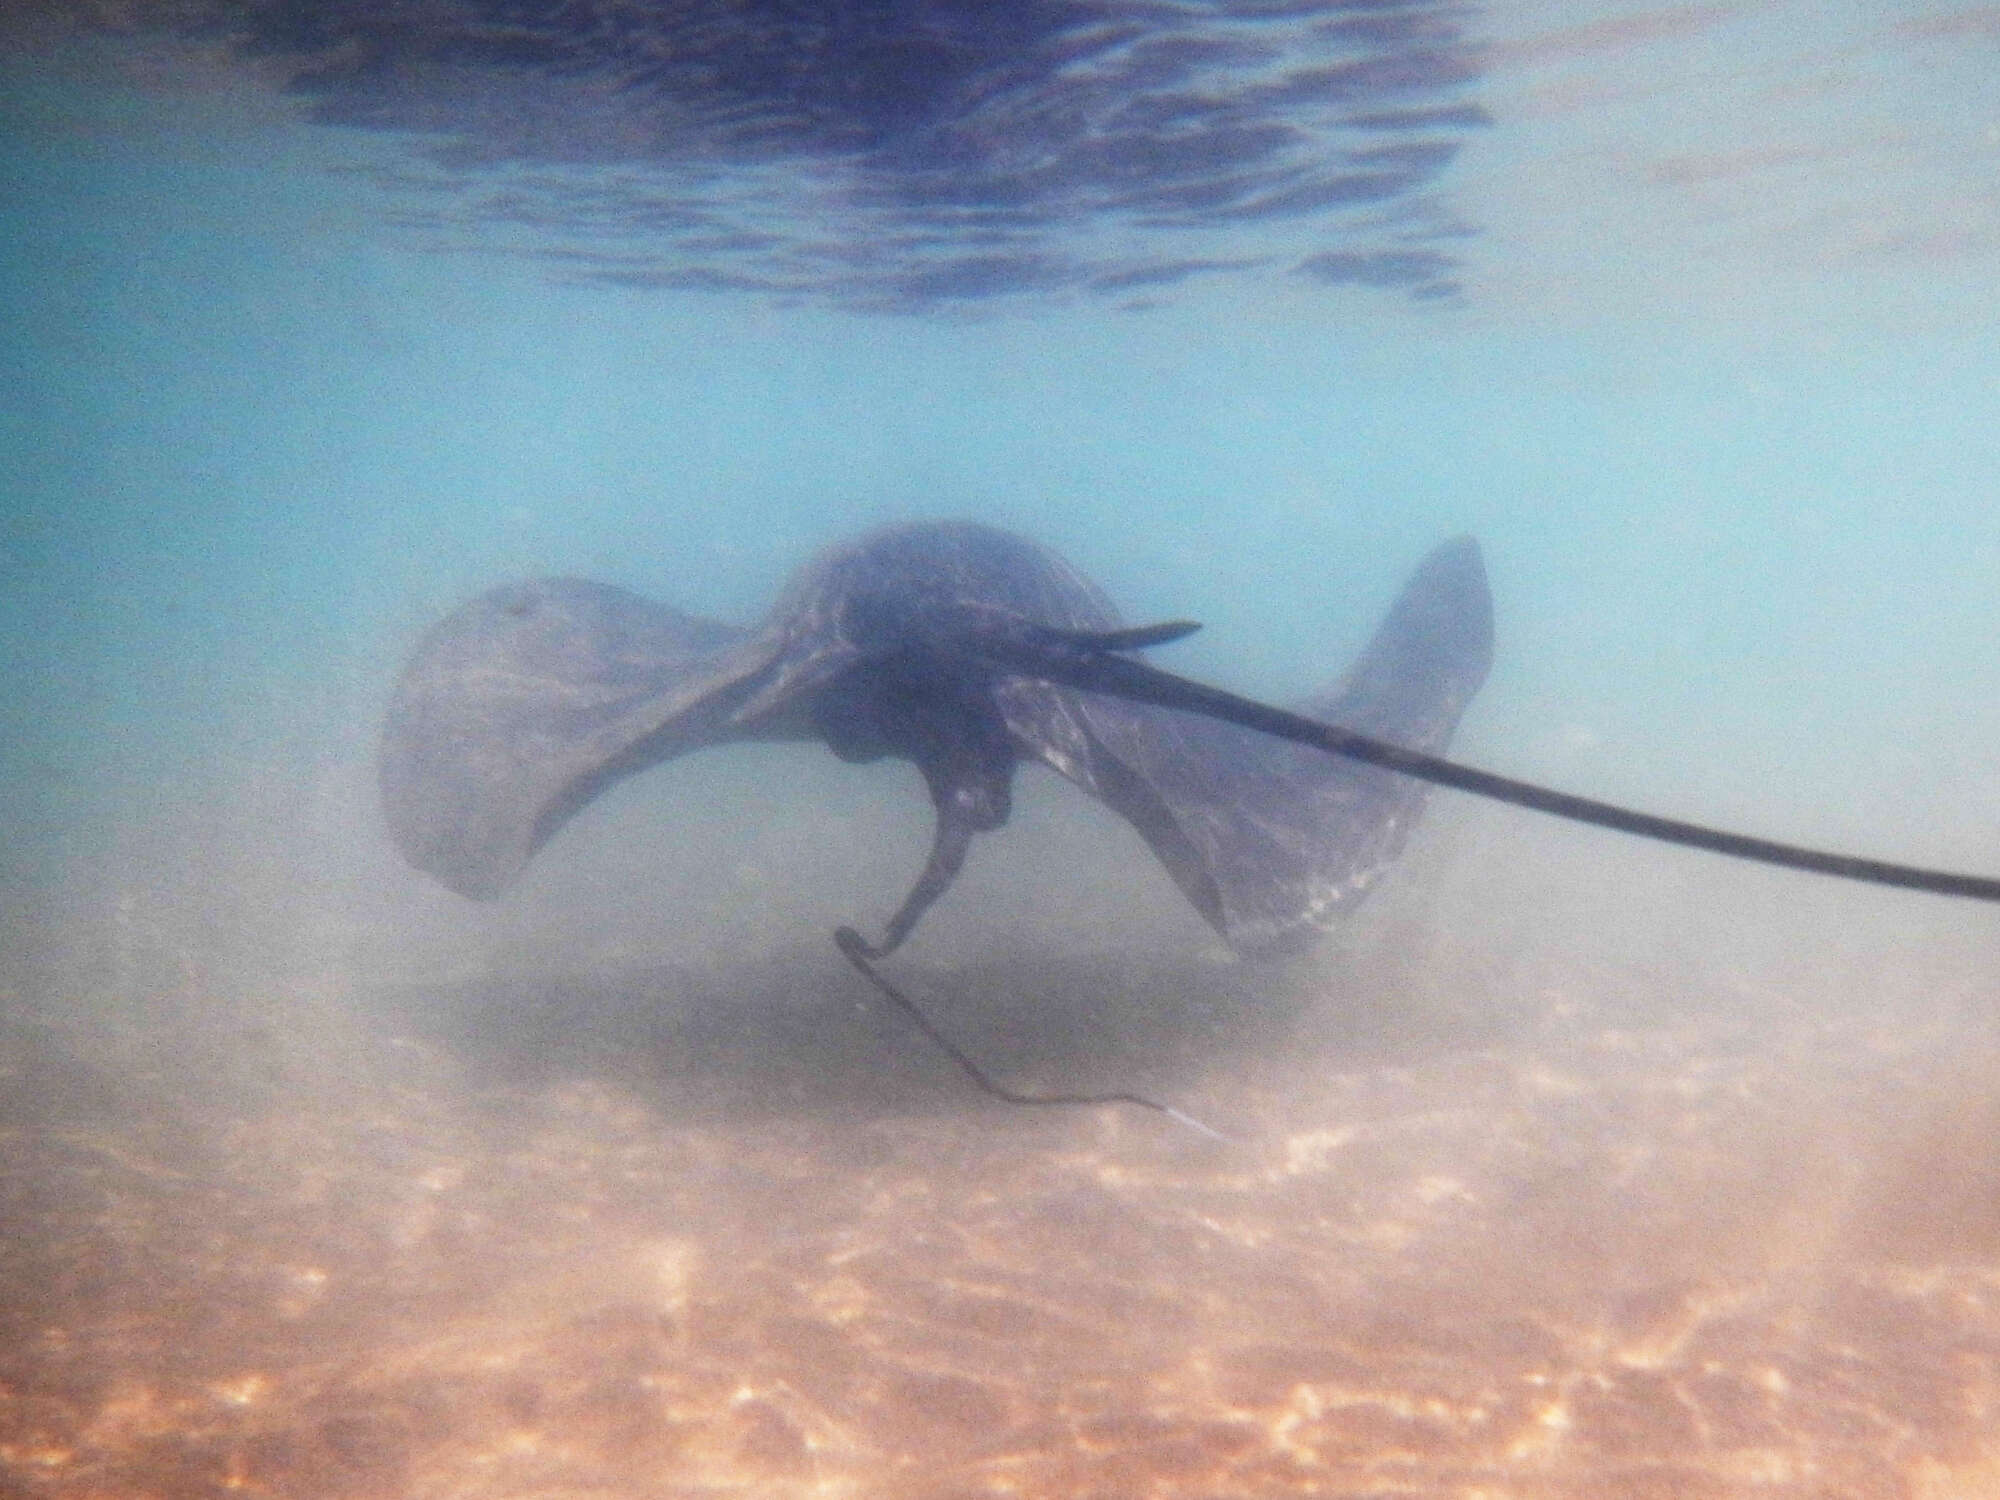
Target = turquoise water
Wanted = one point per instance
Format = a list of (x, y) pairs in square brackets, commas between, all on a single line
[(1718, 392), (1741, 528)]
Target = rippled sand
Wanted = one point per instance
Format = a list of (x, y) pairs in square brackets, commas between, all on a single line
[(673, 1234)]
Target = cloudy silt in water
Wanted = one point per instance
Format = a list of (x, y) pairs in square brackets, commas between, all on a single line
[(1563, 1165)]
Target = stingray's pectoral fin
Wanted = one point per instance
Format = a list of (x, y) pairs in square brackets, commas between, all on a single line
[(522, 705), (947, 857), (1268, 841)]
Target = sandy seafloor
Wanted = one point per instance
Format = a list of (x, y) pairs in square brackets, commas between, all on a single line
[(1495, 1219)]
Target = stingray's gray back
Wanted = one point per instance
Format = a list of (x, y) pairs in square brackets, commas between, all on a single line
[(915, 568)]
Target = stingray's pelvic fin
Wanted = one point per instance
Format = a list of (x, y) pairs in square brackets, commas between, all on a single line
[(948, 845), (1012, 644), (1131, 638)]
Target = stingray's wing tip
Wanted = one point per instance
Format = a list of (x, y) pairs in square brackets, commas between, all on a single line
[(1456, 569), (1465, 551), (438, 826)]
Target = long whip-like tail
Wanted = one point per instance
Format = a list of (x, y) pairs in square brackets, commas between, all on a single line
[(1081, 660)]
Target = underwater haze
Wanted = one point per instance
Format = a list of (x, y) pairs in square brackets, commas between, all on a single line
[(1567, 1166)]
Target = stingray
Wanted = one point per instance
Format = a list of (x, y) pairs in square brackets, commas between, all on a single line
[(968, 651), (528, 702)]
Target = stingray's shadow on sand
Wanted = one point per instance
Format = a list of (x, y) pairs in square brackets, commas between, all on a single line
[(800, 1033)]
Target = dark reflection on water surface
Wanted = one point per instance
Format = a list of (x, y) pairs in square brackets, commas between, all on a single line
[(905, 155)]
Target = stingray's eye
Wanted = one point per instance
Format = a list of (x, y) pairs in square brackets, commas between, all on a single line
[(522, 605)]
